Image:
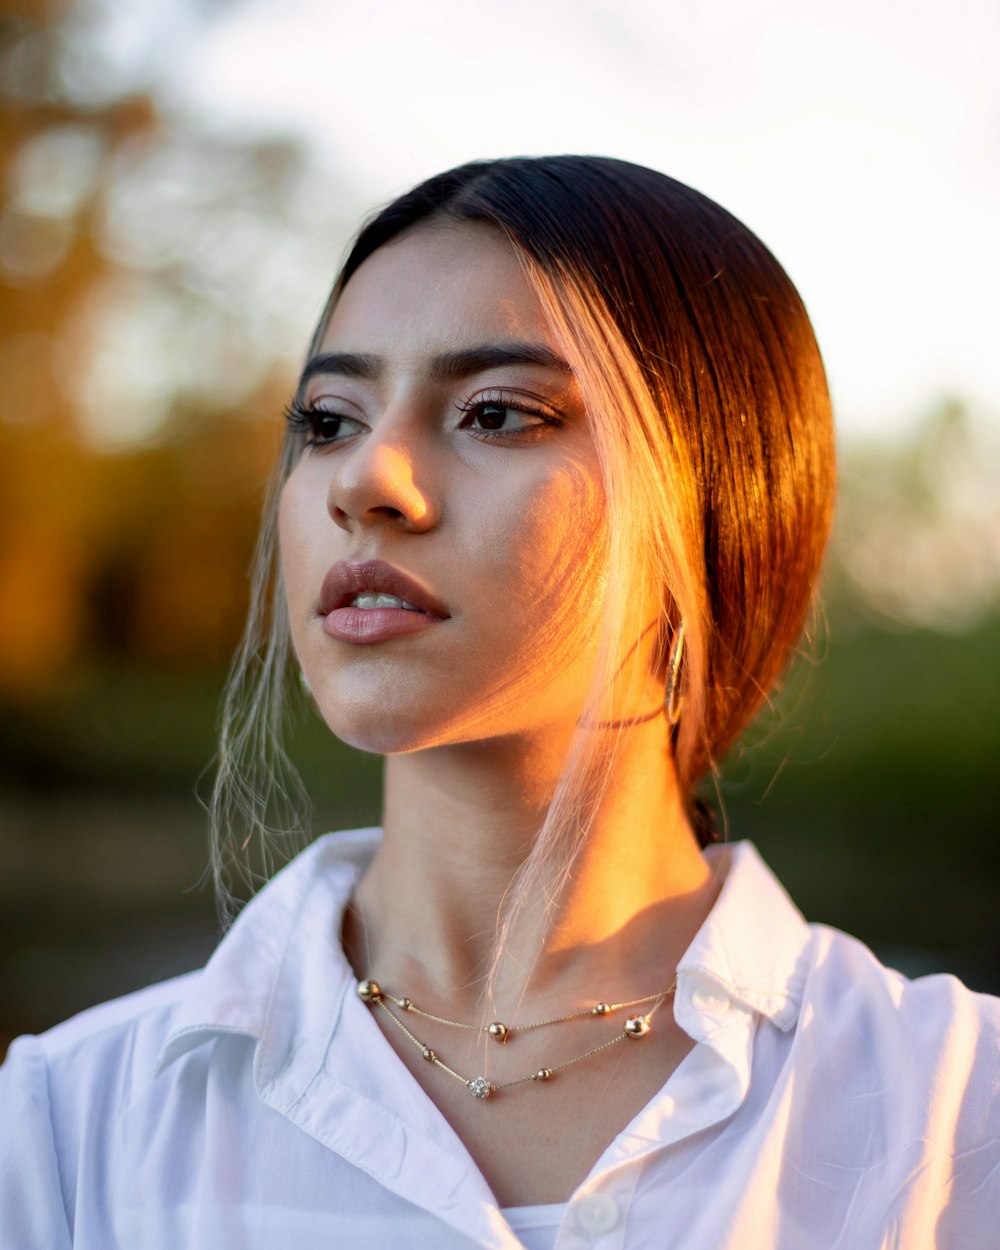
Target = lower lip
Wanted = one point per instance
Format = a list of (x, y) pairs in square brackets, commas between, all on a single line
[(364, 625)]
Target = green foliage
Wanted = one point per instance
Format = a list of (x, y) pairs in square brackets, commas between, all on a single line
[(873, 795)]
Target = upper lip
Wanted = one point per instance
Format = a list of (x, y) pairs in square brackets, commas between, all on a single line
[(348, 578)]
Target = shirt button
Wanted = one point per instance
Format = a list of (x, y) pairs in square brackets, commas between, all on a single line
[(597, 1213)]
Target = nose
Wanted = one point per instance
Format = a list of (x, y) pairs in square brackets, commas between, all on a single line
[(376, 483)]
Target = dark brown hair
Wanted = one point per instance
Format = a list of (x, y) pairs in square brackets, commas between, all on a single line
[(707, 394)]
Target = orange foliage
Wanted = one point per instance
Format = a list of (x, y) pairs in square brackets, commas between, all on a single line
[(140, 555)]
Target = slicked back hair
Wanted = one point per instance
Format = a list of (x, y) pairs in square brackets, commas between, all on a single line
[(708, 402)]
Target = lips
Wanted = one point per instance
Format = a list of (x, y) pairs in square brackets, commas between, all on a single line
[(348, 621)]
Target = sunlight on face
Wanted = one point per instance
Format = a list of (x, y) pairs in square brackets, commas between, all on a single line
[(444, 439)]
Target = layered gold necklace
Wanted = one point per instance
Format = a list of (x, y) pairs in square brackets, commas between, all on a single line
[(636, 1026)]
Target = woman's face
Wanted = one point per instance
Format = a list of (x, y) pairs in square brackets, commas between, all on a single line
[(448, 467)]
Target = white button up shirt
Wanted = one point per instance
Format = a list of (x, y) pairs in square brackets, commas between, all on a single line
[(828, 1104)]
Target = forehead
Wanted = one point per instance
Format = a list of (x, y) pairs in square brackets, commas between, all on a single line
[(440, 285)]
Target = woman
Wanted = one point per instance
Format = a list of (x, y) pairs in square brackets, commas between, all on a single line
[(554, 496)]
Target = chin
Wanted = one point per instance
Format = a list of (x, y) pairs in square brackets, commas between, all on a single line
[(405, 727), (381, 730)]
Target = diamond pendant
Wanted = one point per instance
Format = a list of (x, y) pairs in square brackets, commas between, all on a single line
[(480, 1087)]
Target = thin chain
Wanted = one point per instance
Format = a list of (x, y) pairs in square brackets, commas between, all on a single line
[(599, 1009), (592, 1011), (406, 1004), (428, 1053), (492, 1086), (558, 1067)]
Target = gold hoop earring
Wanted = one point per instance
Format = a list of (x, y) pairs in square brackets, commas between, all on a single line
[(673, 700)]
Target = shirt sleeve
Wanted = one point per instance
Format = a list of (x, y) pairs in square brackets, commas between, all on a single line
[(32, 1207)]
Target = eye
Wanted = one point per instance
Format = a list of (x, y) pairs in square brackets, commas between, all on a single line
[(320, 425), (501, 417), (491, 416)]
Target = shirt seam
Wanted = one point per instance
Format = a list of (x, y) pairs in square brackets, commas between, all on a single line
[(55, 1152)]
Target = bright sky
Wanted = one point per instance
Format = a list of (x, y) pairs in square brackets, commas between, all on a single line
[(861, 140)]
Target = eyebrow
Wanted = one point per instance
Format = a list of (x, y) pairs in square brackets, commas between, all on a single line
[(446, 367)]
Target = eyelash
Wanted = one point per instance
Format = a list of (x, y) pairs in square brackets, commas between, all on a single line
[(303, 419), (500, 399)]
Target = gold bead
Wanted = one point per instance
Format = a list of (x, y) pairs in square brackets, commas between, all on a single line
[(428, 1054), (543, 1074), (406, 1004), (636, 1026), (499, 1032), (369, 991), (601, 1009)]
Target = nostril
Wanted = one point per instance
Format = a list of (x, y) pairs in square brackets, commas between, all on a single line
[(385, 511)]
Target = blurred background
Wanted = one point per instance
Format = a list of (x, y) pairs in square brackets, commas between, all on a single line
[(179, 180)]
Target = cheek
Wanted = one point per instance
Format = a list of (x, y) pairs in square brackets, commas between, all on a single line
[(546, 554)]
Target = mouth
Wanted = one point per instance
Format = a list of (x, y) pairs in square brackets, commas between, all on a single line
[(365, 601), (370, 585)]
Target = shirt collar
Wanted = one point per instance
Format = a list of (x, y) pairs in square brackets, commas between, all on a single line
[(254, 983), (750, 952), (281, 978), (747, 963), (753, 947)]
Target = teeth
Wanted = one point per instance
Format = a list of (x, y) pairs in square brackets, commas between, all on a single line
[(368, 600)]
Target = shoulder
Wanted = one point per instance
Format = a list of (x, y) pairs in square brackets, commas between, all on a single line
[(104, 1048), (856, 991), (95, 1037), (56, 1084), (147, 1012), (89, 1104), (923, 1055), (136, 1026), (64, 1075)]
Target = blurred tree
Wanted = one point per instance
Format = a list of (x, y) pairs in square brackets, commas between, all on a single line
[(156, 279), (917, 540)]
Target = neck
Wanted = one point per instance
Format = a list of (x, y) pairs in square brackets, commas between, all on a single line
[(459, 824)]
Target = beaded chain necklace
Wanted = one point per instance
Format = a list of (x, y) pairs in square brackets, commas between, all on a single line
[(636, 1026)]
